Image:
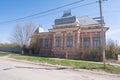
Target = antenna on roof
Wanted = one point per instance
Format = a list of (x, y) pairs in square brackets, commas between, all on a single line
[(67, 13)]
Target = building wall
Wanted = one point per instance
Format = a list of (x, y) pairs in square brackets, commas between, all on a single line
[(78, 50), (90, 52), (63, 32)]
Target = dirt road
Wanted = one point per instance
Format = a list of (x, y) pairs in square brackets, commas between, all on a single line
[(15, 70)]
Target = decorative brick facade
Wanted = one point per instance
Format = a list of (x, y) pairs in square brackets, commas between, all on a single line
[(71, 39)]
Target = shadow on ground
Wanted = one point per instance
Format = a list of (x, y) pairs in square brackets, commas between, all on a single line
[(26, 67)]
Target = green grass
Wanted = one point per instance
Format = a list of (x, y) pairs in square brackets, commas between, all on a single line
[(118, 62), (3, 54), (113, 61), (89, 65), (112, 69)]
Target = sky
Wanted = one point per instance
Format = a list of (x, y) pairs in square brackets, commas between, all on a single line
[(15, 9)]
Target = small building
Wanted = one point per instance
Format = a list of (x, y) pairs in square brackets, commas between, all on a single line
[(71, 37)]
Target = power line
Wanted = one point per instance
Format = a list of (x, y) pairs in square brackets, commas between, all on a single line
[(50, 10), (70, 9), (85, 4), (51, 13)]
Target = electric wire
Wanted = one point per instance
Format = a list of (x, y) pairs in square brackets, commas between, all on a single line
[(50, 10), (47, 12)]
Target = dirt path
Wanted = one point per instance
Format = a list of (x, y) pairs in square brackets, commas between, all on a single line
[(17, 70)]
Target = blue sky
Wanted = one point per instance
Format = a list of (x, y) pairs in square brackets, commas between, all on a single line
[(14, 9)]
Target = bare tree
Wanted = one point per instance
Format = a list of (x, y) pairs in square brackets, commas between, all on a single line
[(22, 34)]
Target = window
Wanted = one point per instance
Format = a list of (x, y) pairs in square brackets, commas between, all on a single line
[(50, 43), (58, 42), (86, 42), (96, 41), (69, 42), (46, 42), (41, 43)]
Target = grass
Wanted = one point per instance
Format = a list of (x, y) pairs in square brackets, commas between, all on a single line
[(63, 62), (89, 65), (3, 54), (113, 61), (118, 62), (112, 69)]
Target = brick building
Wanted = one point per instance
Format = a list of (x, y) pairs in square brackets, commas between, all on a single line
[(71, 37)]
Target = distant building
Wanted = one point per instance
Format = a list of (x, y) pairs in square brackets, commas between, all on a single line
[(71, 37)]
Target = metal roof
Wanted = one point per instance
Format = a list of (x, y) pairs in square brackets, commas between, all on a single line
[(85, 20), (65, 20)]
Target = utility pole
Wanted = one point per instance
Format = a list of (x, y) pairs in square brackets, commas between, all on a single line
[(116, 49), (102, 34)]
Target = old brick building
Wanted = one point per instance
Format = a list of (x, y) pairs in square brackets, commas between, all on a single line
[(71, 37)]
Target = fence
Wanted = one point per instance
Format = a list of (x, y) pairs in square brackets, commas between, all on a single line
[(16, 50)]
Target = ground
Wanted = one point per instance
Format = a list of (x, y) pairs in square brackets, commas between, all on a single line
[(18, 70)]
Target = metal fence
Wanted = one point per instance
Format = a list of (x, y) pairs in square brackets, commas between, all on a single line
[(16, 50)]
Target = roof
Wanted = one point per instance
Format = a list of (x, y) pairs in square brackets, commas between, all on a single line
[(85, 20), (68, 18), (65, 20), (39, 29)]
